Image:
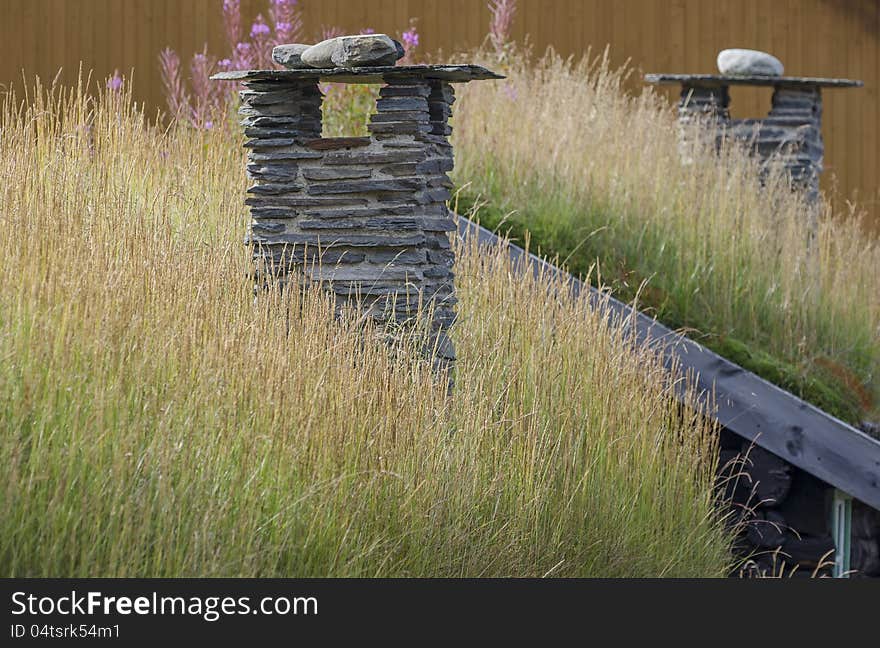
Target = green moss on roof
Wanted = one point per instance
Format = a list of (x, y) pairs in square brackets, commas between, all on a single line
[(812, 380)]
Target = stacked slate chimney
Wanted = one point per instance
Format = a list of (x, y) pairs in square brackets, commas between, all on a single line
[(788, 138), (364, 217)]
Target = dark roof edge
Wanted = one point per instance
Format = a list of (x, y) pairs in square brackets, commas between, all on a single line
[(747, 405)]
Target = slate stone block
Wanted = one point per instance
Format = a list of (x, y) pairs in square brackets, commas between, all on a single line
[(398, 90), (371, 157), (357, 212), (401, 116), (304, 201), (336, 173), (268, 143), (269, 172), (274, 189), (352, 240), (283, 154), (365, 186), (413, 256), (402, 104), (399, 128)]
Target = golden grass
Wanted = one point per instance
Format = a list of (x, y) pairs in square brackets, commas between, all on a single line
[(156, 421), (595, 174)]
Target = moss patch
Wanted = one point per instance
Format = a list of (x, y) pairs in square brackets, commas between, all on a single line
[(812, 383)]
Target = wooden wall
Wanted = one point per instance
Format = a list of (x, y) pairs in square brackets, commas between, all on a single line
[(811, 37)]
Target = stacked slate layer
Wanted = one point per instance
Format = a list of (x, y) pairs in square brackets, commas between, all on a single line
[(789, 138), (782, 513), (365, 217), (783, 516), (702, 103)]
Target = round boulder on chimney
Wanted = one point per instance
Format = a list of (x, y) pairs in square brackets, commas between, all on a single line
[(290, 56), (746, 62), (354, 51)]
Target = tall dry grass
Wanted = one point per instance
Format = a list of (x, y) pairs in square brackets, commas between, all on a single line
[(594, 174), (156, 421)]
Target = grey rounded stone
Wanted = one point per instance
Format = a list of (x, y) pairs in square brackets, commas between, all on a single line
[(353, 51), (746, 62), (290, 56)]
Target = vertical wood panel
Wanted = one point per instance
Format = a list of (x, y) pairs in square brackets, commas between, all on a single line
[(811, 37), (871, 118), (852, 111), (29, 25)]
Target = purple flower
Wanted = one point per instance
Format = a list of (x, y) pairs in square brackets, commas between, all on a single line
[(224, 64), (114, 83), (410, 41), (259, 29), (232, 21), (209, 125), (502, 12), (368, 30), (242, 57), (410, 38), (285, 16), (282, 7)]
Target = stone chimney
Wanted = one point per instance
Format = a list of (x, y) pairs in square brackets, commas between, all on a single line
[(363, 217), (789, 137)]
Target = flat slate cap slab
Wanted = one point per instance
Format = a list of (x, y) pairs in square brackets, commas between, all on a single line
[(450, 73), (716, 80)]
